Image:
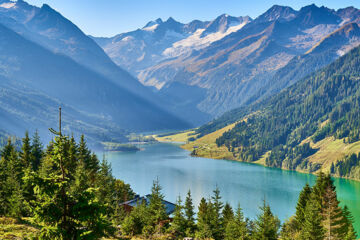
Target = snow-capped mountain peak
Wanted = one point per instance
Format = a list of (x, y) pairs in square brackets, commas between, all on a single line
[(152, 23)]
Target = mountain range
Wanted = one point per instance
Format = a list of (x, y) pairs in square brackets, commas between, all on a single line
[(234, 61), (48, 61), (166, 75)]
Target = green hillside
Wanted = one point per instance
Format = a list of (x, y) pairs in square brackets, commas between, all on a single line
[(286, 130)]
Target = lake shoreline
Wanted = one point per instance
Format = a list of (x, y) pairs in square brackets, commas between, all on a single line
[(256, 163)]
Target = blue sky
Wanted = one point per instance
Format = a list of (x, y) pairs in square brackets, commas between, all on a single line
[(110, 17)]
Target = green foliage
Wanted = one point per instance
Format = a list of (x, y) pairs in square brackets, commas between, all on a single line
[(333, 218), (349, 167), (304, 197), (136, 221), (266, 225), (189, 215), (228, 214), (58, 188), (11, 173), (348, 228), (178, 225), (64, 211), (203, 220), (36, 151), (157, 208), (312, 227), (236, 228)]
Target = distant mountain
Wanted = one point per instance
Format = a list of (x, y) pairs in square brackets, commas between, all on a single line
[(323, 53), (159, 40), (232, 59), (277, 13), (89, 95)]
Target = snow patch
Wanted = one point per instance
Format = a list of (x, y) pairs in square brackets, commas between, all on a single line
[(151, 28), (125, 39), (173, 34), (8, 5), (196, 42)]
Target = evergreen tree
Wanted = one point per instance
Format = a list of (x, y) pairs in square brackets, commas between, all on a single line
[(189, 216), (351, 234), (312, 228), (348, 228), (266, 225), (72, 157), (301, 205), (135, 222), (121, 193), (61, 212), (25, 153), (90, 160), (322, 182), (105, 184), (334, 220), (15, 202), (157, 208), (178, 225), (203, 224), (11, 173), (289, 230), (236, 229), (36, 151), (216, 220), (227, 214)]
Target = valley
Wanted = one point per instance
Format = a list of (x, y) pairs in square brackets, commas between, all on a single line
[(211, 126)]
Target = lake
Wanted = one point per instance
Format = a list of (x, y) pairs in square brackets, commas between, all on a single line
[(244, 183)]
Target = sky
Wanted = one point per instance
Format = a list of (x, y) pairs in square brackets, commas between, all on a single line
[(105, 18)]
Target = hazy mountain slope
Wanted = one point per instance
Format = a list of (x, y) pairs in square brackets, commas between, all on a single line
[(58, 76), (268, 51), (23, 109), (326, 51), (50, 29), (287, 129)]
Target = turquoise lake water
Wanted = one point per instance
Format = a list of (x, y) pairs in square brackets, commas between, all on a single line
[(247, 184)]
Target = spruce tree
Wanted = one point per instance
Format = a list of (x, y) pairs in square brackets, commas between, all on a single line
[(289, 230), (61, 211), (203, 224), (121, 193), (36, 151), (266, 225), (105, 183), (348, 228), (178, 225), (15, 202), (227, 214), (236, 229), (157, 208), (189, 216), (312, 228), (216, 220), (333, 218), (135, 222), (25, 153), (11, 174), (301, 205)]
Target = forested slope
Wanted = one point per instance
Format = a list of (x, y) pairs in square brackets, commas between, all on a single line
[(286, 126)]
